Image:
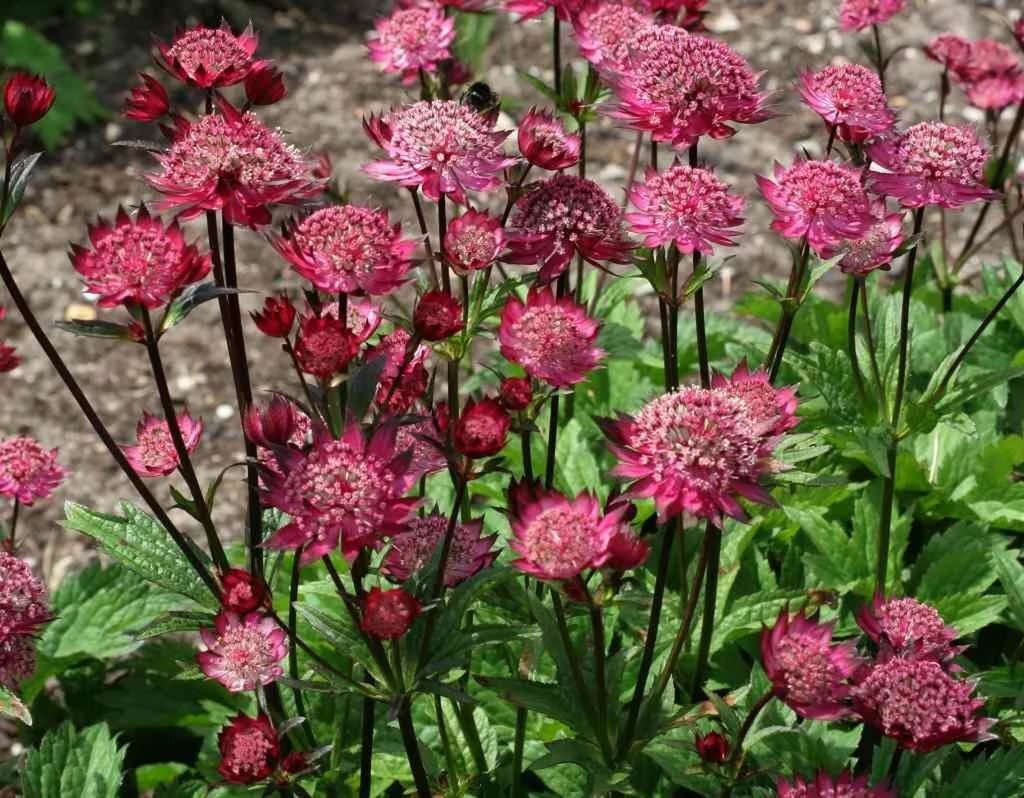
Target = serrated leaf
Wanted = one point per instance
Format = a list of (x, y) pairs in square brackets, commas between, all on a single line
[(544, 699), (191, 298), (1011, 576), (83, 764), (176, 623), (1000, 775), (20, 172), (97, 328), (362, 386), (14, 707)]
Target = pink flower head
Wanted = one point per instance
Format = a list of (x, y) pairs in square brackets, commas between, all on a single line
[(679, 87), (264, 85), (274, 425), (28, 471), (528, 9), (850, 98), (277, 317), (821, 200), (516, 393), (544, 141), (443, 146), (560, 217), (209, 57), (233, 163), (992, 75), (808, 671), (17, 660), (249, 749), (413, 549), (243, 652), (438, 316), (603, 31), (846, 785), (421, 439), (765, 403), (412, 382), (154, 454), (626, 551), (920, 705), (241, 591), (481, 429), (350, 490), (932, 163), (412, 39), (559, 538), (949, 49), (552, 339), (906, 627), (388, 614), (324, 345), (27, 98), (24, 605), (138, 261), (688, 206), (861, 14), (876, 248), (347, 249), (148, 101), (473, 241)]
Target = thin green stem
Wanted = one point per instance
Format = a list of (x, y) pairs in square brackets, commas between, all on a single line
[(879, 55), (600, 678), (735, 762), (707, 624), (425, 232), (869, 337), (446, 743), (851, 340), (790, 307), (518, 748), (293, 654)]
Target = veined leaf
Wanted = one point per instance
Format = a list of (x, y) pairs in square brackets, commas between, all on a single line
[(84, 764)]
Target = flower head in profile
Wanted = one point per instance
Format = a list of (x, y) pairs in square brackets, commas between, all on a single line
[(909, 628), (24, 605), (28, 472), (516, 393), (412, 550), (992, 75), (920, 705), (404, 377), (808, 671), (243, 652), (209, 57), (444, 147), (325, 345), (481, 429), (27, 98), (821, 200), (712, 747), (277, 317), (412, 39), (148, 101), (544, 141), (242, 591), (249, 749), (561, 217), (824, 785), (861, 14), (603, 31), (950, 50), (9, 358), (687, 206), (473, 241), (137, 261), (876, 248), (264, 85), (766, 403), (420, 438), (528, 9), (154, 455), (932, 163), (554, 340), (388, 614), (850, 98)]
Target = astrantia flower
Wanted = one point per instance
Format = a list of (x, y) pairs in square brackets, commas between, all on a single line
[(346, 249), (232, 162), (950, 50), (560, 217), (17, 660), (473, 241), (603, 31), (860, 14), (241, 591), (850, 98), (388, 614), (824, 785), (559, 538), (27, 98), (932, 163), (908, 628), (695, 450), (9, 358), (545, 142), (679, 87), (992, 75), (154, 455), (243, 652), (437, 316), (148, 101), (554, 340), (138, 261), (413, 549), (277, 317), (712, 747), (273, 425), (208, 57), (481, 429), (412, 39), (324, 345), (876, 248), (396, 392), (688, 206), (419, 440), (516, 393), (920, 705), (626, 551), (350, 490), (443, 146), (264, 85), (766, 403), (249, 749), (528, 9), (808, 671), (28, 471), (24, 606), (822, 200)]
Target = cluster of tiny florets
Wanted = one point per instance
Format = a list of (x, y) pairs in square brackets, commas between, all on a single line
[(28, 472), (850, 98)]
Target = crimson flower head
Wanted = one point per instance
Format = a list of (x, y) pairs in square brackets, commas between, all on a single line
[(850, 98), (437, 316), (516, 393), (137, 261), (920, 705), (274, 425), (411, 550), (241, 591), (950, 50), (277, 317), (545, 142), (249, 749), (325, 345), (603, 31), (626, 551), (876, 248), (154, 454), (388, 614), (482, 429), (712, 747), (209, 57), (473, 241), (554, 340), (821, 200), (9, 358), (27, 98), (443, 147), (561, 217), (347, 249), (243, 651), (861, 14), (264, 85), (808, 671), (24, 605), (28, 472), (824, 785), (234, 163), (687, 206), (528, 9), (932, 163), (906, 627), (992, 75), (412, 39), (397, 392), (148, 101), (775, 407)]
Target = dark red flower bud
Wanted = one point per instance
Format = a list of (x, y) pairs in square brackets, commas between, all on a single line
[(442, 419), (482, 428), (27, 98), (626, 551), (148, 101), (388, 614), (9, 359), (712, 747), (264, 84), (276, 318), (249, 748), (295, 762), (516, 393), (273, 426), (241, 591), (438, 316), (323, 168), (325, 346)]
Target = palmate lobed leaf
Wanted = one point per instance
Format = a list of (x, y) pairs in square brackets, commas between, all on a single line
[(68, 762)]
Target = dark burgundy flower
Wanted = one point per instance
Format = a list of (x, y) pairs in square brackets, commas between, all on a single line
[(626, 551), (712, 747), (148, 101), (264, 84), (241, 591), (273, 426), (388, 614), (438, 316), (516, 393), (482, 429), (27, 98), (324, 346), (249, 749), (277, 317), (9, 359)]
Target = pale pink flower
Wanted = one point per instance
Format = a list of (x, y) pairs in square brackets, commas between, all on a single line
[(544, 141), (908, 628), (243, 652), (28, 472), (154, 454), (412, 550), (992, 75), (861, 14), (603, 31), (766, 403), (950, 50), (824, 785), (473, 241), (209, 57), (850, 98), (412, 39)]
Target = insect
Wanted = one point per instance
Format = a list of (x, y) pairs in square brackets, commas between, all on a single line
[(481, 97)]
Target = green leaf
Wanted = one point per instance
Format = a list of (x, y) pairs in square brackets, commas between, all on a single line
[(191, 298), (362, 386), (545, 699), (1011, 576), (1000, 775), (577, 464), (472, 35), (85, 764), (176, 623), (13, 707), (96, 328), (20, 172)]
